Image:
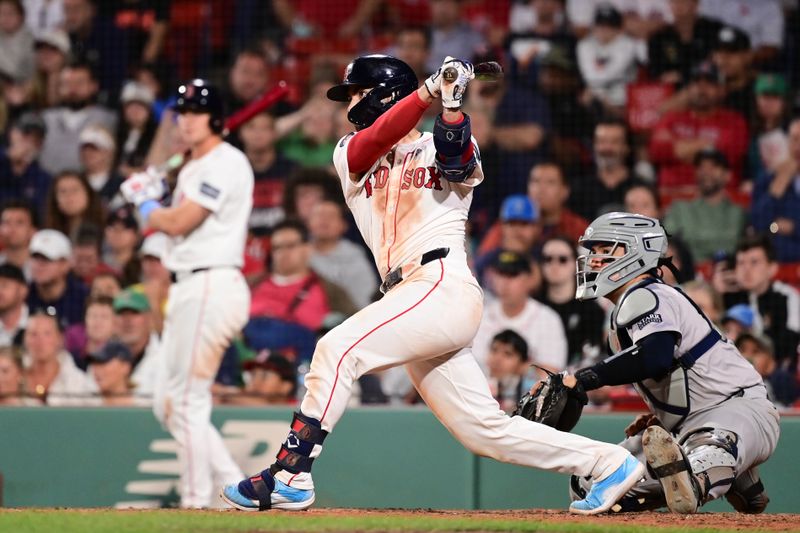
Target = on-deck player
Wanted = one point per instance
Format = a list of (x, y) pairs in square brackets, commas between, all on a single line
[(711, 421), (410, 193), (209, 298)]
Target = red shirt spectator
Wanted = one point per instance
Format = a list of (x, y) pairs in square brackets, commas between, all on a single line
[(302, 301), (680, 135)]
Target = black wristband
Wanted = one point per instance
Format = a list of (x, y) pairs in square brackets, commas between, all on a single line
[(588, 378)]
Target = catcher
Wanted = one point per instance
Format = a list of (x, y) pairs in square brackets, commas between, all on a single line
[(710, 423)]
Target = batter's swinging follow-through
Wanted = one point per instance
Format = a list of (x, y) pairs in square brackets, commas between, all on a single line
[(410, 194)]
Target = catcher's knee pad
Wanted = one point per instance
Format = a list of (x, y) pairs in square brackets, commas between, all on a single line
[(747, 494), (712, 454)]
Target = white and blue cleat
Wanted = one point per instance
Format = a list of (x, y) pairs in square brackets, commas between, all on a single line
[(282, 497), (604, 494)]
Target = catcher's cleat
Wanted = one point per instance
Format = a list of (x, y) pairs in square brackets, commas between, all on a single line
[(670, 466), (747, 494), (605, 493), (263, 492)]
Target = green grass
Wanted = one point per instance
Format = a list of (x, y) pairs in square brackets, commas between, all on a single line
[(106, 520)]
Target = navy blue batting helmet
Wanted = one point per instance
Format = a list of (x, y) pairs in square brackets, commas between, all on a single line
[(389, 78), (199, 96)]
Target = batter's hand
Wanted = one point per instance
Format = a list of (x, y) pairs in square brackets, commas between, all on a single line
[(456, 74), (143, 186)]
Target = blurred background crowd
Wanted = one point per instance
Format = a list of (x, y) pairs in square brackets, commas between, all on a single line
[(684, 110)]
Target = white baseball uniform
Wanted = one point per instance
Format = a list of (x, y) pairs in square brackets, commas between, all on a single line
[(404, 209), (207, 306)]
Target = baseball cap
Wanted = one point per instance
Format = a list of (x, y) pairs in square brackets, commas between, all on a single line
[(607, 15), (511, 263), (155, 245), (518, 207), (741, 313), (29, 123), (706, 71), (558, 58), (52, 244), (97, 136), (277, 363), (57, 39), (123, 215), (12, 272), (111, 350), (133, 91), (131, 300), (774, 84), (732, 39), (711, 154)]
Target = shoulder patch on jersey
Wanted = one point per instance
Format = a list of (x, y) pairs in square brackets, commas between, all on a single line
[(638, 306), (209, 190)]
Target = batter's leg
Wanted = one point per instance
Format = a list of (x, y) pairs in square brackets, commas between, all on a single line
[(456, 391)]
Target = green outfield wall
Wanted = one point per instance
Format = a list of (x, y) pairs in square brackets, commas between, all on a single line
[(399, 458)]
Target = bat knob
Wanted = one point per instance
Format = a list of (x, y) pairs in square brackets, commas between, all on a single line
[(450, 74)]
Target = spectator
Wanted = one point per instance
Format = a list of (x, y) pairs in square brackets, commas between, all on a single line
[(133, 327), (86, 263), (293, 292), (52, 375), (412, 45), (97, 153), (269, 379), (82, 340), (326, 20), (11, 392), (761, 19), (776, 305), (247, 78), (605, 190), (707, 299), (312, 144), (607, 60), (305, 189), (776, 201), (270, 169), (105, 284), (21, 177), (547, 33), (156, 77), (733, 59), (52, 52), (781, 385), (16, 41), (71, 202), (679, 135), (137, 127), (769, 144), (507, 366), (711, 223), (111, 367), (676, 50), (519, 231), (121, 241), (53, 285), (541, 327), (642, 18), (156, 279), (77, 91), (337, 259), (13, 310), (451, 36), (737, 321), (549, 190), (17, 226), (43, 15), (642, 198), (583, 321), (141, 24)]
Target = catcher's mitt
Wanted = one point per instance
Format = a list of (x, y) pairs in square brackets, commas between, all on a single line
[(553, 403)]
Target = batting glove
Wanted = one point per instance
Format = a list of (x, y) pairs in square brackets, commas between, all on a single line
[(456, 74), (143, 186)]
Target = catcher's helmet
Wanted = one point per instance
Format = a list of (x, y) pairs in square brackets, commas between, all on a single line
[(390, 79), (645, 245), (200, 96)]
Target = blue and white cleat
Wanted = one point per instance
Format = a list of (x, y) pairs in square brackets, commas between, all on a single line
[(604, 494), (263, 492)]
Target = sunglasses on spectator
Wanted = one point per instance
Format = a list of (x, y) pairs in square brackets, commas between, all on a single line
[(560, 259)]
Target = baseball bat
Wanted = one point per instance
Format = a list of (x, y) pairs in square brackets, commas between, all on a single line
[(235, 121), (486, 71)]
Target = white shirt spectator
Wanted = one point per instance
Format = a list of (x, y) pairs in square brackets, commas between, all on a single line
[(43, 15), (539, 325), (71, 386), (7, 334), (581, 12), (146, 373), (762, 20), (608, 68)]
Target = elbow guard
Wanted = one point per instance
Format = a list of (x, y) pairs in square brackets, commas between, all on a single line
[(455, 154)]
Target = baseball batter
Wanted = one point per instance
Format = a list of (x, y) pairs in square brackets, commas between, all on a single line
[(209, 298), (410, 194), (711, 421)]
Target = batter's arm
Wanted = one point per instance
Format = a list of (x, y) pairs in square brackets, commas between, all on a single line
[(179, 220)]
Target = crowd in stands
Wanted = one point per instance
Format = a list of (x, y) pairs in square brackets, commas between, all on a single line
[(683, 110)]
